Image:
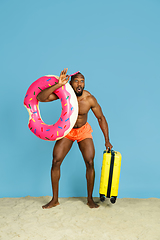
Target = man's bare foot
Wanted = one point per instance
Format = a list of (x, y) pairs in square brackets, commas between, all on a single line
[(51, 204), (92, 204)]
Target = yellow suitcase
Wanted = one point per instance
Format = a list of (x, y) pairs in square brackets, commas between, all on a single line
[(110, 174)]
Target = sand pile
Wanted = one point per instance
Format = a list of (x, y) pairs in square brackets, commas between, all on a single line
[(127, 219)]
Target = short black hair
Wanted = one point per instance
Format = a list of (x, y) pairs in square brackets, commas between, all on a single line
[(76, 75)]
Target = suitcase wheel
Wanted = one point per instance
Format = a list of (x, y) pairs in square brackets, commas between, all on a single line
[(102, 197), (113, 199)]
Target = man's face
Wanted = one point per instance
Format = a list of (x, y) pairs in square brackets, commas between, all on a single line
[(78, 85)]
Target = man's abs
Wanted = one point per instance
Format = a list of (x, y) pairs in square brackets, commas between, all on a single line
[(81, 120), (83, 109)]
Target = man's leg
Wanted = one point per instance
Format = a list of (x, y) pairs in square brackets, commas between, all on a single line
[(87, 148), (60, 150)]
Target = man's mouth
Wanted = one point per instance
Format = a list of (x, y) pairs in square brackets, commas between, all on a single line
[(79, 89)]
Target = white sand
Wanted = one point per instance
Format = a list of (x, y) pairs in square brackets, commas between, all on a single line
[(127, 219)]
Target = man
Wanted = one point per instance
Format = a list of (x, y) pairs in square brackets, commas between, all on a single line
[(80, 132)]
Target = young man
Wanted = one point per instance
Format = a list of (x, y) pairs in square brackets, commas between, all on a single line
[(80, 132)]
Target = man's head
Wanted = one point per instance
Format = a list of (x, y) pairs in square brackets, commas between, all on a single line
[(77, 83)]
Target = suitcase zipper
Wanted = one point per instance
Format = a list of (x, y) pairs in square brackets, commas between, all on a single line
[(110, 174)]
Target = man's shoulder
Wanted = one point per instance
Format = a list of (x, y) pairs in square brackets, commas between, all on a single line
[(89, 97), (88, 94)]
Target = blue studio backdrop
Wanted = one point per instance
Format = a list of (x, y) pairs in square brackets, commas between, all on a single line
[(115, 44)]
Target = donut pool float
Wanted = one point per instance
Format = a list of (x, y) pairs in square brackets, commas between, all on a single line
[(69, 112)]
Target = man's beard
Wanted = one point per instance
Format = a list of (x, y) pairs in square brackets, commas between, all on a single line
[(78, 94)]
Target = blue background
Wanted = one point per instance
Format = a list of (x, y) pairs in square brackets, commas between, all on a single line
[(115, 44)]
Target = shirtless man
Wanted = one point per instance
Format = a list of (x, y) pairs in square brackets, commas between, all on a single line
[(80, 132)]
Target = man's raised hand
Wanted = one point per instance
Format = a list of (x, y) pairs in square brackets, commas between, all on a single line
[(63, 78)]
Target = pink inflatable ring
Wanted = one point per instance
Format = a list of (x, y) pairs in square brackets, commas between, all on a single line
[(68, 115)]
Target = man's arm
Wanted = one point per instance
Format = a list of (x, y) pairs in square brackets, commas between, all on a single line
[(95, 107), (47, 94)]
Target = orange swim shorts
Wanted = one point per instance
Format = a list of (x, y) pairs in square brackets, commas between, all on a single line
[(81, 133)]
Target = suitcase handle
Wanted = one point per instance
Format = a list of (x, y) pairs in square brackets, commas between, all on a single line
[(108, 150)]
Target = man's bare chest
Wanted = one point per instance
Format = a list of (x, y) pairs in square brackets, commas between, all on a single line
[(83, 107)]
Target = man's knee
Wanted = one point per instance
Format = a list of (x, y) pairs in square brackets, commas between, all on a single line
[(89, 162), (56, 162)]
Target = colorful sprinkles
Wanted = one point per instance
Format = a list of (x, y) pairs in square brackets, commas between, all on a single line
[(47, 138)]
